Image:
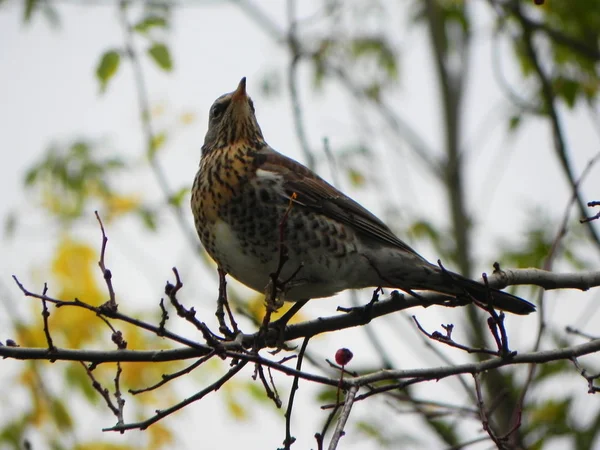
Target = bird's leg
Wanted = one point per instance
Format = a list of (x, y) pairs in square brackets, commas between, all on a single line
[(280, 324), (222, 305), (287, 316)]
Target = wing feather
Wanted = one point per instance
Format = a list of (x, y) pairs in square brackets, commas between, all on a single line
[(316, 194)]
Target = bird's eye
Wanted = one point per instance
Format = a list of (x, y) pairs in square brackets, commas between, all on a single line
[(218, 109)]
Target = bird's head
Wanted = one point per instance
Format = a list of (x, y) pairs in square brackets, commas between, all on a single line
[(232, 119)]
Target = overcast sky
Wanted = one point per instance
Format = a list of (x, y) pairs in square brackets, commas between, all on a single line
[(48, 93)]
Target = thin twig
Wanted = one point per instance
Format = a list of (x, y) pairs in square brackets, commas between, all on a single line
[(483, 414), (583, 334), (270, 388), (160, 414), (447, 361), (45, 316), (447, 339), (102, 391), (289, 439), (119, 395), (548, 95), (189, 314), (590, 378), (320, 437), (106, 274), (103, 313), (147, 128), (164, 315), (294, 47), (172, 376)]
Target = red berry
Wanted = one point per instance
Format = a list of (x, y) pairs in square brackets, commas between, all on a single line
[(343, 356)]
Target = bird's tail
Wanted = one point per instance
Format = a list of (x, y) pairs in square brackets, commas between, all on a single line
[(487, 295), (436, 278), (411, 272)]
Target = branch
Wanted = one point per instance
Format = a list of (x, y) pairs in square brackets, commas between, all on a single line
[(294, 46), (106, 274), (548, 95), (544, 279), (355, 317), (148, 131), (339, 429), (493, 363), (102, 313), (165, 412), (289, 439), (435, 373)]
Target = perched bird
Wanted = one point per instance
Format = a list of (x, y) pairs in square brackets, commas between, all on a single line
[(249, 201)]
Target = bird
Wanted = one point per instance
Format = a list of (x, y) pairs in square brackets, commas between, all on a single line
[(259, 213)]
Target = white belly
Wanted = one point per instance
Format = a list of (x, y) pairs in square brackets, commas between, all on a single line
[(244, 267)]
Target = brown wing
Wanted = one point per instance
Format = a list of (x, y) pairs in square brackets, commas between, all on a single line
[(315, 193)]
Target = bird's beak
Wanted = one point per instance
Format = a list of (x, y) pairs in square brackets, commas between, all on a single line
[(240, 92)]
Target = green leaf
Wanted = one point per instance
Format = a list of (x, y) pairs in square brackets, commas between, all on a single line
[(177, 198), (148, 218), (552, 416), (514, 122), (357, 178), (158, 140), (10, 224), (61, 415), (378, 48), (568, 89), (30, 6), (150, 22), (31, 176), (161, 56), (107, 67)]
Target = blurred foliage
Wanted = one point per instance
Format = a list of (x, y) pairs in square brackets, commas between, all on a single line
[(69, 181), (372, 53), (571, 34), (161, 55), (73, 274), (107, 67), (537, 240)]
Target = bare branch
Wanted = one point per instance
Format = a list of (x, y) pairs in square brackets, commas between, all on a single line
[(595, 216), (484, 416), (160, 414), (106, 274), (543, 278), (190, 314), (168, 377), (103, 313), (45, 316), (289, 439), (339, 429), (590, 378), (447, 339)]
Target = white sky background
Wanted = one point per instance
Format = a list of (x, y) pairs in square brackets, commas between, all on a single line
[(48, 93)]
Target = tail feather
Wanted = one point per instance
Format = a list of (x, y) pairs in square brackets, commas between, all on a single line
[(498, 299)]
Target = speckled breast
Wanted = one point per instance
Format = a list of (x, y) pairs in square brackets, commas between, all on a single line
[(242, 220)]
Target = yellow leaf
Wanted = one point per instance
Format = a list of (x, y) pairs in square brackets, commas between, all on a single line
[(160, 436), (158, 110), (187, 118), (118, 205), (235, 408), (73, 267)]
